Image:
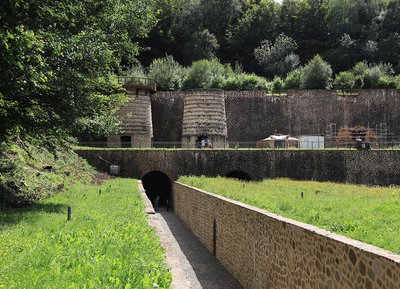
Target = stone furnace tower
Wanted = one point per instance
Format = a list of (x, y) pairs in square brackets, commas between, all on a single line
[(136, 123), (204, 119)]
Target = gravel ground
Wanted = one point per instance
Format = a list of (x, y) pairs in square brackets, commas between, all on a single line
[(192, 265)]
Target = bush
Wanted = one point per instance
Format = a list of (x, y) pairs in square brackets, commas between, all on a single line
[(277, 84), (204, 73), (344, 80), (167, 73), (245, 81), (397, 81), (386, 82), (374, 76), (316, 74), (293, 79)]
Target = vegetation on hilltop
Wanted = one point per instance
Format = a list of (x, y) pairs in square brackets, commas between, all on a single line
[(271, 38), (315, 74)]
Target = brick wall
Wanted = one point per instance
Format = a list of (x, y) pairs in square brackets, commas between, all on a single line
[(263, 250)]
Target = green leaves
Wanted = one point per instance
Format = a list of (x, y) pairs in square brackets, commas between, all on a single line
[(57, 55)]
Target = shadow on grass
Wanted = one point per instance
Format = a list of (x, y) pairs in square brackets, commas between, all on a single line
[(10, 215)]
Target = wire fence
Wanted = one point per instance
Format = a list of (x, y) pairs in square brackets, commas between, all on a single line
[(233, 145)]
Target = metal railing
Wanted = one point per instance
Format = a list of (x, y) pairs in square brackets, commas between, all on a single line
[(232, 145)]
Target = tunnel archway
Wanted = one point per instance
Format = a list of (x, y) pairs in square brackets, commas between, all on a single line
[(240, 175), (157, 184)]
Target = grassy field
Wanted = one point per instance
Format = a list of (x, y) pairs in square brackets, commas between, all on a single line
[(368, 214), (107, 244)]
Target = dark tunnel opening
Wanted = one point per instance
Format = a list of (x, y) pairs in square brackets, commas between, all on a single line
[(157, 184), (240, 175)]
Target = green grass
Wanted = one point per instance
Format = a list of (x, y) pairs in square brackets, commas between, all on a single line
[(368, 214), (107, 244)]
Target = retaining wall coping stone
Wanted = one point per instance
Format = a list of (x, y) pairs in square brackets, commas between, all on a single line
[(336, 237)]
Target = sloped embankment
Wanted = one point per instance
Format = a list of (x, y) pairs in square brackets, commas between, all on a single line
[(33, 169)]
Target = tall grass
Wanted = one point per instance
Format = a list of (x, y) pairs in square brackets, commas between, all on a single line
[(107, 244), (368, 214)]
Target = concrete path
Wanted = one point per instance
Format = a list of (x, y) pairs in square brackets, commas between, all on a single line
[(192, 265)]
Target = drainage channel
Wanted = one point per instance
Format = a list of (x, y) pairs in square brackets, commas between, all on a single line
[(192, 265)]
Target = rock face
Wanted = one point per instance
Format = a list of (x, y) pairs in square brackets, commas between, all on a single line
[(204, 118), (136, 124)]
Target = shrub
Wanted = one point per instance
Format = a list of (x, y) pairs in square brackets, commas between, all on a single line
[(202, 74), (374, 76), (244, 81), (293, 79), (386, 82), (136, 71), (359, 68), (316, 74), (344, 80), (277, 84), (397, 81), (167, 73)]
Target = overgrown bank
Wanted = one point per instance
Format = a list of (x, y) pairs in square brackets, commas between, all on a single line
[(107, 244), (35, 168)]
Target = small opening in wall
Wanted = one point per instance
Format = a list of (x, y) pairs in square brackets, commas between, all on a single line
[(203, 142), (126, 141)]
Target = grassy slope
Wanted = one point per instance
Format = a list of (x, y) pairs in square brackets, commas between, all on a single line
[(108, 243), (34, 169), (369, 214)]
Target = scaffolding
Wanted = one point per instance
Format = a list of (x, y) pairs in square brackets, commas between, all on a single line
[(380, 136)]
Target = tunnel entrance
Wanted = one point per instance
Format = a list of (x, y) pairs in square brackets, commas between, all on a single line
[(157, 184), (240, 175)]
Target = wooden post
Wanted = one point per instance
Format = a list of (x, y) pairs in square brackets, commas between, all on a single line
[(69, 213)]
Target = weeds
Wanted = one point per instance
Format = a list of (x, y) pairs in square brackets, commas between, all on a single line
[(107, 244)]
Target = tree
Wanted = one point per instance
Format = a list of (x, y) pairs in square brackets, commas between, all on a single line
[(58, 62), (206, 74), (258, 21), (202, 45), (167, 73), (344, 80), (277, 58), (293, 79), (316, 74)]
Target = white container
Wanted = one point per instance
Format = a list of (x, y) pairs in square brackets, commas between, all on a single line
[(114, 170), (311, 142)]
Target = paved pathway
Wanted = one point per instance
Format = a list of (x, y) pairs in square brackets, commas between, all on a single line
[(192, 265)]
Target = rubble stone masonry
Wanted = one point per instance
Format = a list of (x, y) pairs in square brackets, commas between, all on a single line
[(263, 250), (254, 115)]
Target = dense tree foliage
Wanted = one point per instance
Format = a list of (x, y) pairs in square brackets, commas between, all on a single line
[(343, 32), (59, 58)]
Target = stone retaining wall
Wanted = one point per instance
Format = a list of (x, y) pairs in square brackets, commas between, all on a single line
[(360, 167), (263, 250), (254, 115)]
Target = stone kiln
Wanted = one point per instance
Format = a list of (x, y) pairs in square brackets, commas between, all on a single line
[(204, 118), (136, 124)]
